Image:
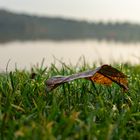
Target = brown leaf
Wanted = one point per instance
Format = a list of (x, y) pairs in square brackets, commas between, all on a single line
[(101, 79), (104, 74), (114, 75)]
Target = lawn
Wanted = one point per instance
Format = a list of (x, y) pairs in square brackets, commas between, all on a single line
[(74, 110)]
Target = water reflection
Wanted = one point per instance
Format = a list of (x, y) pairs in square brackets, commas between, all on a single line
[(26, 54)]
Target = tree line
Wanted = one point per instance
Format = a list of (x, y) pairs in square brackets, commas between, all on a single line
[(15, 26)]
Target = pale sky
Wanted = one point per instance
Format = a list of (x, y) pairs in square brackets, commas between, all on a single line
[(93, 10)]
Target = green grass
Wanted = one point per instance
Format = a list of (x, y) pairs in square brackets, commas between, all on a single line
[(74, 110)]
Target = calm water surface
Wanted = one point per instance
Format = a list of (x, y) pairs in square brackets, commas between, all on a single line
[(26, 54)]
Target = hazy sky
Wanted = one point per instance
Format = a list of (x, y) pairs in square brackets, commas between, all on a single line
[(105, 10)]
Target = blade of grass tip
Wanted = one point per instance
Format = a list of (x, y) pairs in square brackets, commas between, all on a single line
[(84, 61), (62, 63), (7, 65), (53, 67), (12, 81), (79, 62), (16, 67), (44, 70), (42, 63)]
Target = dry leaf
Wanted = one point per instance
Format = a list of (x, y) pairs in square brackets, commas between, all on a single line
[(104, 74)]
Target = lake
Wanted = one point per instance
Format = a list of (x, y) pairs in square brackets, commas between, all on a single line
[(29, 53)]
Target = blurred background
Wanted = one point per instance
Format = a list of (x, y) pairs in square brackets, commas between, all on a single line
[(68, 30)]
